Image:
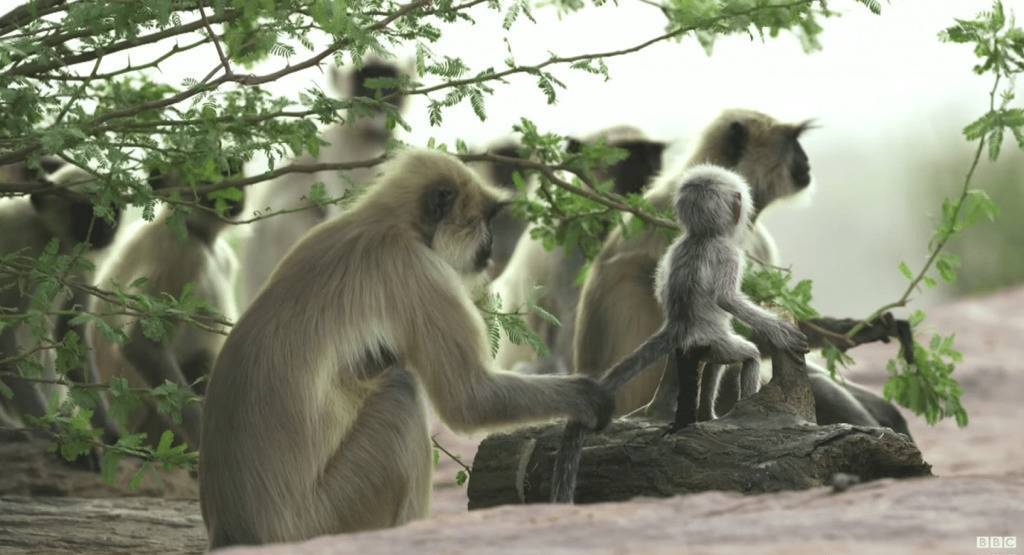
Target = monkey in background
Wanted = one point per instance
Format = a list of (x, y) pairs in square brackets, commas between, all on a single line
[(154, 251), (354, 140), (618, 309), (557, 270), (507, 226), (315, 419), (27, 225)]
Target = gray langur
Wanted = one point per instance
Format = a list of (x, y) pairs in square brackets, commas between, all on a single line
[(557, 271), (507, 226), (361, 137), (315, 419), (698, 288), (618, 308), (27, 225), (202, 260)]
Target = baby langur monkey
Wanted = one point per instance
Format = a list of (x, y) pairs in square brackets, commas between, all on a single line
[(27, 225), (698, 287), (315, 421), (168, 262)]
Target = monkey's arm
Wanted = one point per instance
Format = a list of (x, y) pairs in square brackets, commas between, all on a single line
[(156, 364), (778, 333), (567, 463), (457, 373)]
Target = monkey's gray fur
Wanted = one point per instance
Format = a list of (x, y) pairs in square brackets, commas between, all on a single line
[(315, 421)]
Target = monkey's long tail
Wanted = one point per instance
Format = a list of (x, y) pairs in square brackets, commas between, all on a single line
[(567, 463)]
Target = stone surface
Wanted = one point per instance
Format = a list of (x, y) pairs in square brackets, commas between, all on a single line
[(930, 516), (62, 525)]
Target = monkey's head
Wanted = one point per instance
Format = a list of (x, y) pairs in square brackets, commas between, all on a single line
[(214, 206), (766, 152), (71, 217), (355, 82), (634, 173), (449, 207), (712, 201)]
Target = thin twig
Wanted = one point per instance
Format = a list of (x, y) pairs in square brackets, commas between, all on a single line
[(452, 456)]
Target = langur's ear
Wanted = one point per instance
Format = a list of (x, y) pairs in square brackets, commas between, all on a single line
[(737, 207), (736, 140), (438, 203)]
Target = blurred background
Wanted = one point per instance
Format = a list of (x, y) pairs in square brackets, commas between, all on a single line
[(890, 100)]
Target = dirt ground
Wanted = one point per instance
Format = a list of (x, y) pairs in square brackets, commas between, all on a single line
[(984, 461)]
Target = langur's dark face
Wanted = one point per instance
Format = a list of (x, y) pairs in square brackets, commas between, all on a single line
[(75, 221), (800, 166), (632, 174), (377, 71), (456, 222)]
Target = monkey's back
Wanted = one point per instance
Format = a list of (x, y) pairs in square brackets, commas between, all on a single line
[(282, 384)]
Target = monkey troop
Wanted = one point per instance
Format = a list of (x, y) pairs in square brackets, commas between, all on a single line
[(315, 413)]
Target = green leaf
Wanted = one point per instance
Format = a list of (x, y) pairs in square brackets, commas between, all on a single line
[(905, 270)]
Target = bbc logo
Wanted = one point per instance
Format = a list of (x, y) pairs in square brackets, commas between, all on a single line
[(996, 542)]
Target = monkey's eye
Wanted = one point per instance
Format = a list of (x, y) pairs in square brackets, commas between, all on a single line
[(438, 202)]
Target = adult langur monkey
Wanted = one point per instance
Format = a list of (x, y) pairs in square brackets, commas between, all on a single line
[(201, 260), (507, 227), (557, 270), (315, 421), (27, 225), (361, 137)]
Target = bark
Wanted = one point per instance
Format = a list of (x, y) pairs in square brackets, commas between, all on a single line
[(767, 443)]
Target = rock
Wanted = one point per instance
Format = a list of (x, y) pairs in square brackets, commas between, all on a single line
[(28, 469), (59, 525)]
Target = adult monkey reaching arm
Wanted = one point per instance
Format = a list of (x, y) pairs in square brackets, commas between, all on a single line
[(315, 421), (698, 288)]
